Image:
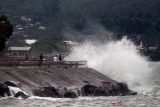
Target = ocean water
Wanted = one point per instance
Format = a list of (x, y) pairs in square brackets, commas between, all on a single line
[(146, 99), (127, 101)]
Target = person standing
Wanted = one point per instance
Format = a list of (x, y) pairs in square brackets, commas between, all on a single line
[(60, 57), (41, 57)]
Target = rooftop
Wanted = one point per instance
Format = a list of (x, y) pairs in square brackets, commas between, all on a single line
[(26, 48)]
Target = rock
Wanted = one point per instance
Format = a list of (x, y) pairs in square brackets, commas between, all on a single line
[(46, 92), (88, 90), (78, 92), (123, 89), (21, 94), (14, 90), (17, 92), (132, 93), (4, 90), (61, 91), (113, 91), (13, 83), (104, 91), (107, 90), (100, 92), (65, 93), (70, 94)]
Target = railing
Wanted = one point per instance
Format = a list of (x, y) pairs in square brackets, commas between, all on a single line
[(18, 62)]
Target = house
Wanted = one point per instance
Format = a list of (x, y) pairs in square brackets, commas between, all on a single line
[(70, 43), (19, 51), (152, 48)]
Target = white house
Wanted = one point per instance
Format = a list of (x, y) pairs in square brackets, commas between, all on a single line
[(19, 51)]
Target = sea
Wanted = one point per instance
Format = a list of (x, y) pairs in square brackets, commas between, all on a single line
[(146, 99)]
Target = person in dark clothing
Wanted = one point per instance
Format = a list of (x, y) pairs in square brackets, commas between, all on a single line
[(60, 57), (41, 57)]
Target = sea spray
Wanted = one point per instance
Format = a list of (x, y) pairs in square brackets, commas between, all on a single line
[(120, 60)]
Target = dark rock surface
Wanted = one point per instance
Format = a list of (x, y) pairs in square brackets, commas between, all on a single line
[(88, 90), (4, 90), (118, 89), (70, 94), (122, 89), (46, 92), (13, 83), (21, 94)]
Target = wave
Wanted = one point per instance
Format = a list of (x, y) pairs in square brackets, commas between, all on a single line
[(120, 60)]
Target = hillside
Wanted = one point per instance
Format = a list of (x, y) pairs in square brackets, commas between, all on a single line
[(138, 19)]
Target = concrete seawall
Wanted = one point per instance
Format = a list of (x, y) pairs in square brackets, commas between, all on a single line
[(33, 77)]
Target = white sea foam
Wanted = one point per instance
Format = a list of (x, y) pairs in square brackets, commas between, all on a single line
[(15, 90), (120, 60)]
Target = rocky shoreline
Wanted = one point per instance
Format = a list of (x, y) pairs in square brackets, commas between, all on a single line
[(58, 82)]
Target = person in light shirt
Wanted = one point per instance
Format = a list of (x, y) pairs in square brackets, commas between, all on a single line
[(55, 58)]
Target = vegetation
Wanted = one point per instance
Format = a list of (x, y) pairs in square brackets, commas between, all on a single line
[(49, 44), (138, 19), (154, 54), (5, 31)]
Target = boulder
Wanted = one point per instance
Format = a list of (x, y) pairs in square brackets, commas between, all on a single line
[(132, 93), (4, 90), (46, 92), (113, 91), (104, 91), (13, 83), (61, 91), (21, 95), (100, 92), (122, 89), (70, 94), (88, 90), (107, 90)]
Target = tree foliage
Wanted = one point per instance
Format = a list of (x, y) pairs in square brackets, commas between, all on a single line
[(5, 31), (138, 19)]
